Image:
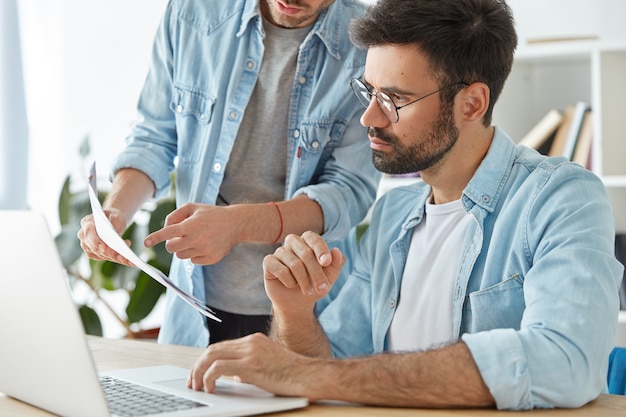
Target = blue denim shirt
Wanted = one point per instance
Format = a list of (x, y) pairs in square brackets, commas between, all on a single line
[(205, 62), (536, 296)]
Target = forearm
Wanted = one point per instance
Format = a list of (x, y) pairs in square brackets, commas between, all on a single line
[(300, 333), (270, 223), (442, 378), (130, 189)]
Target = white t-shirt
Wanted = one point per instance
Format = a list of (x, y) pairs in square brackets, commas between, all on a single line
[(423, 317)]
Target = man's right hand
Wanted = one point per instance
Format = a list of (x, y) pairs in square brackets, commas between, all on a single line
[(91, 243)]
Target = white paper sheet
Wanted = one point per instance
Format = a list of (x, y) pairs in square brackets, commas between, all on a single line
[(107, 233)]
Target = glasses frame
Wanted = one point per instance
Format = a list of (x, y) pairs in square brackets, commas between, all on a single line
[(383, 99)]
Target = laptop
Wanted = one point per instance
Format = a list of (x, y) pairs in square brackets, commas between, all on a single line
[(44, 357)]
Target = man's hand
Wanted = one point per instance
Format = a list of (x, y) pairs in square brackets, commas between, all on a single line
[(254, 359), (200, 232), (301, 272), (91, 243)]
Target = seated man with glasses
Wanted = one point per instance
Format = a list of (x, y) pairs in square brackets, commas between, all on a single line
[(490, 283)]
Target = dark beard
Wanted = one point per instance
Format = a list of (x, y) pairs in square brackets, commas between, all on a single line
[(430, 150)]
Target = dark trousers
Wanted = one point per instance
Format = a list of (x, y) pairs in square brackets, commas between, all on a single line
[(234, 325)]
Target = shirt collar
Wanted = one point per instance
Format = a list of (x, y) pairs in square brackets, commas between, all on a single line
[(329, 26), (488, 181)]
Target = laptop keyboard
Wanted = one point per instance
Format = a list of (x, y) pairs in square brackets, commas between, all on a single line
[(130, 400)]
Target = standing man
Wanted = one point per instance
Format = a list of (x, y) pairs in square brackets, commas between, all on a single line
[(492, 282), (248, 100)]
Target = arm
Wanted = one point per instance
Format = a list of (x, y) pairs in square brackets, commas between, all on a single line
[(300, 363), (296, 276), (130, 189), (442, 378), (187, 228)]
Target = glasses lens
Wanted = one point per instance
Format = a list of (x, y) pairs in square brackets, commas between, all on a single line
[(361, 92), (387, 106), (365, 97)]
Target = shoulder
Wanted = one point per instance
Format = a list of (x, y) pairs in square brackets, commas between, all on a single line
[(401, 202), (204, 14), (333, 30)]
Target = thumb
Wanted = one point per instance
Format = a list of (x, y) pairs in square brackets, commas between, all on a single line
[(334, 269)]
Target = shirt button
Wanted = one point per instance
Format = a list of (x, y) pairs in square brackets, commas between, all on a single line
[(232, 115), (179, 108), (189, 267), (296, 133), (315, 144), (217, 167), (250, 65), (485, 198), (202, 116), (302, 80), (392, 304)]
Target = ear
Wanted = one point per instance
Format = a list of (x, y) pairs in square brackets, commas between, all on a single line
[(475, 101)]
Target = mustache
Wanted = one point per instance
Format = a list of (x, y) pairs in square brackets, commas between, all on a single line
[(374, 132)]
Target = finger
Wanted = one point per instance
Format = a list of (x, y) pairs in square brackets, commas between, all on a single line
[(319, 247), (166, 233), (304, 265), (101, 252), (274, 268), (313, 248), (180, 214), (203, 259), (334, 269), (226, 350)]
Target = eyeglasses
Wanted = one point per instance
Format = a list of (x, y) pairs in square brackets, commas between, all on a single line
[(386, 104)]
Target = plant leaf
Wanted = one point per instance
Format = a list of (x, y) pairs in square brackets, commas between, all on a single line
[(143, 298), (64, 202), (160, 212), (91, 321), (68, 245)]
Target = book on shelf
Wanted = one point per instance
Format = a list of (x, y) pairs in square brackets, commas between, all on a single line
[(580, 110), (582, 151), (560, 137), (543, 131)]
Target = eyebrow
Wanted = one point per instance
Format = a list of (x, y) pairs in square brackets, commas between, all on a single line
[(389, 90)]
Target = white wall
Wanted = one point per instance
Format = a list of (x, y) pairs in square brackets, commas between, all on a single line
[(84, 64), (564, 18)]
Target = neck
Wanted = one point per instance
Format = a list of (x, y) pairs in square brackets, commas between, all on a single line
[(449, 178)]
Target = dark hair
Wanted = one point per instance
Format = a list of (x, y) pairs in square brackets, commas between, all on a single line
[(464, 40)]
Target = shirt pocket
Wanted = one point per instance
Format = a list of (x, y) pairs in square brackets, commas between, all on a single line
[(193, 108), (499, 306), (318, 139)]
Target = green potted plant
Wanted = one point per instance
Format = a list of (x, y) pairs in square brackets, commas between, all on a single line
[(144, 292)]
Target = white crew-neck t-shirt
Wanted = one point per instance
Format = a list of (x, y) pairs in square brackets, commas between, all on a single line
[(423, 317)]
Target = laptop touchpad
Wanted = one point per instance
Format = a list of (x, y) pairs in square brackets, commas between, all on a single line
[(223, 387)]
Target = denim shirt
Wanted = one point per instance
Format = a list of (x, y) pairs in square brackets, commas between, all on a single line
[(205, 62), (536, 296)]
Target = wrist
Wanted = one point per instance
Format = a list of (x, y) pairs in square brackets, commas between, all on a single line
[(281, 221), (262, 223)]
